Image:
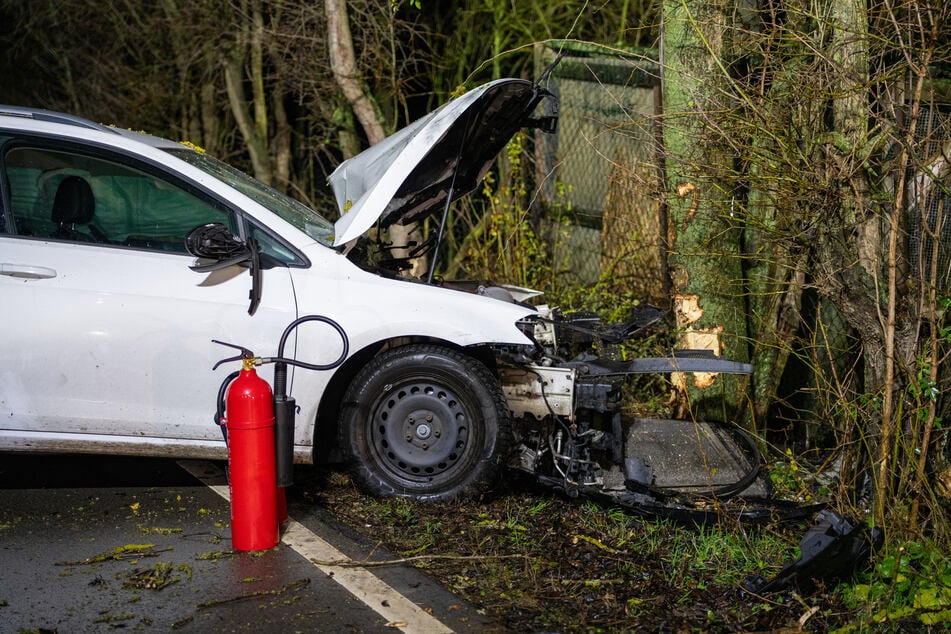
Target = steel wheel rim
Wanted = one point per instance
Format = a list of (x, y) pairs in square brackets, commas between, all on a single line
[(420, 429)]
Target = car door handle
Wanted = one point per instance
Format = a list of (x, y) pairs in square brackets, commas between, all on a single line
[(26, 271)]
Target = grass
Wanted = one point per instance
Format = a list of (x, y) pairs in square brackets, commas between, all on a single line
[(728, 557), (538, 562)]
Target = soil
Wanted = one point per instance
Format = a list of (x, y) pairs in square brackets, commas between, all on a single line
[(538, 562)]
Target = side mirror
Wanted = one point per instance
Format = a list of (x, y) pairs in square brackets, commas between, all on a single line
[(215, 242)]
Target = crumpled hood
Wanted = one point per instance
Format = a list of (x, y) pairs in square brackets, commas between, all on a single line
[(409, 175)]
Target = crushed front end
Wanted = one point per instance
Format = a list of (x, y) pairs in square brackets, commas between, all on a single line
[(571, 434)]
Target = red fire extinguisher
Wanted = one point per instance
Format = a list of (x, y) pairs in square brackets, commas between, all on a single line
[(259, 432), (251, 458)]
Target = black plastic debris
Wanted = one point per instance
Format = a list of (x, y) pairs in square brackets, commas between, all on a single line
[(832, 549)]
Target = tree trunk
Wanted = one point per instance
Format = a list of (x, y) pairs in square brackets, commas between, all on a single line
[(705, 263), (249, 115), (343, 64)]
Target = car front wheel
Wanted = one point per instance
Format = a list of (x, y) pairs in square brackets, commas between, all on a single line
[(425, 422)]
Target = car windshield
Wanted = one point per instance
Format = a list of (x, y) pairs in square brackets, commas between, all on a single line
[(299, 215)]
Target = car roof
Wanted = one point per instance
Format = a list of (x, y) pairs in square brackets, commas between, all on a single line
[(38, 114), (50, 116)]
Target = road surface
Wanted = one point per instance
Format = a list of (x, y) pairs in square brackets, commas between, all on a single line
[(97, 543)]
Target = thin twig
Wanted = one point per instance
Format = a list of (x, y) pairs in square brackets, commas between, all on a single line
[(117, 554), (350, 563), (294, 585)]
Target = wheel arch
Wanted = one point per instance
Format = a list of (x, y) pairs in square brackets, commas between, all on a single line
[(326, 449)]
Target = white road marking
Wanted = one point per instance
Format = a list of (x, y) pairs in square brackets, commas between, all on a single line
[(399, 611)]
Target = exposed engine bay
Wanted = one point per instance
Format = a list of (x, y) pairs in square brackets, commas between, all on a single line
[(571, 434)]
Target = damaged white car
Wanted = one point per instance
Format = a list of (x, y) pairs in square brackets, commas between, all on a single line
[(109, 319)]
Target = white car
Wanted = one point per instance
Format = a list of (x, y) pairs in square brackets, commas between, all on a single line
[(107, 330)]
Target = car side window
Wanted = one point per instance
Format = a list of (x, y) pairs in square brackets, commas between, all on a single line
[(62, 195)]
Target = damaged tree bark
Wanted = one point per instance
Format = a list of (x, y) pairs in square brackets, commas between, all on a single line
[(704, 261)]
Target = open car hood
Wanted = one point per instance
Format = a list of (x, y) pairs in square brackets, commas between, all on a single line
[(410, 174)]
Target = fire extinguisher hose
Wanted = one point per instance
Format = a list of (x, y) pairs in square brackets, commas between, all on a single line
[(285, 407), (220, 411)]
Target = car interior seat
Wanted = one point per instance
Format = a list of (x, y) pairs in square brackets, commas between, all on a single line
[(75, 205)]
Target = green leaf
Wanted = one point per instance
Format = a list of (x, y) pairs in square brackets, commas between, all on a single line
[(887, 567), (933, 618), (927, 598)]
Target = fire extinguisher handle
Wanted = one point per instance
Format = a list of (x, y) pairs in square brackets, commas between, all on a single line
[(246, 355)]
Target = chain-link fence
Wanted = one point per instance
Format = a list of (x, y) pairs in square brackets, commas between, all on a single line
[(600, 171), (930, 204)]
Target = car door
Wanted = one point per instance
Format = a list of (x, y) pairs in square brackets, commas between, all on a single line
[(106, 332)]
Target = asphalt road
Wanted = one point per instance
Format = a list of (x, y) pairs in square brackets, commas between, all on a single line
[(94, 544)]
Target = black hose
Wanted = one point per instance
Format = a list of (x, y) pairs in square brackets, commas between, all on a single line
[(284, 406), (281, 363), (220, 412), (743, 483)]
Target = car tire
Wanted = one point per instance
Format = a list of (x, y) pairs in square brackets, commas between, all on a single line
[(427, 423)]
